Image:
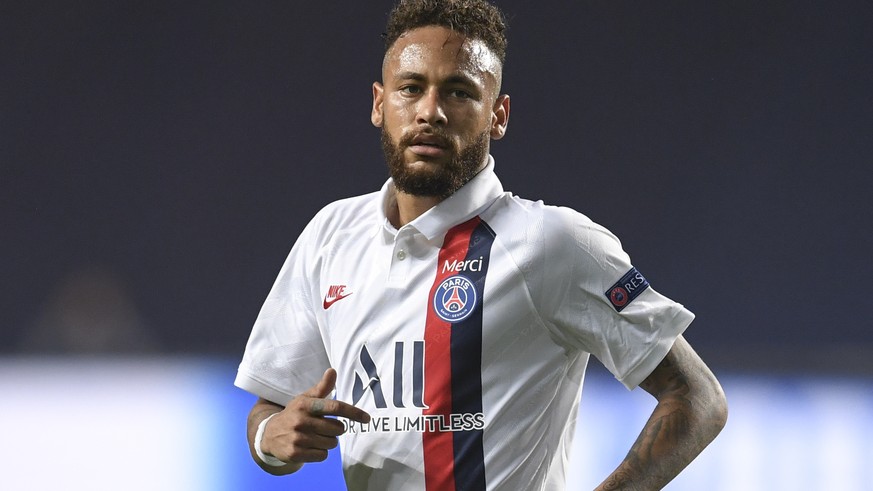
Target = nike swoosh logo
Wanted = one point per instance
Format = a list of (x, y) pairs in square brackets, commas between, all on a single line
[(328, 301)]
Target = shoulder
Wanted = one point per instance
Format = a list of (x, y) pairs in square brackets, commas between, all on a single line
[(344, 214), (353, 208), (555, 230)]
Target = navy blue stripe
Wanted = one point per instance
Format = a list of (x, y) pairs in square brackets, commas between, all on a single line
[(418, 367), (466, 347), (398, 374)]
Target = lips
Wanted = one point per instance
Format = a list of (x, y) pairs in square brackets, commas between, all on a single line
[(429, 145), (425, 150)]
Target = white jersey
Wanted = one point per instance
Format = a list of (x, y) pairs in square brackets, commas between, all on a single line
[(465, 334)]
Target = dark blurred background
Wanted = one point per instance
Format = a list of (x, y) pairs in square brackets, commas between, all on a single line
[(158, 160)]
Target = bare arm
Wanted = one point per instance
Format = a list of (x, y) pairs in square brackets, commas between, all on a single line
[(301, 432), (261, 411), (691, 411)]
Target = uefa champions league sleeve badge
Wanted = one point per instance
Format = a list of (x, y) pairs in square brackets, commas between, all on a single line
[(626, 289)]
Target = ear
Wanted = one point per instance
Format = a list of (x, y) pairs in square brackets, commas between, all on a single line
[(376, 114), (500, 117)]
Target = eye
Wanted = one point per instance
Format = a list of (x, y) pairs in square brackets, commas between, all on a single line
[(410, 89), (460, 94)]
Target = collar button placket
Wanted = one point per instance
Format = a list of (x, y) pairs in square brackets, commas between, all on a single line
[(399, 265)]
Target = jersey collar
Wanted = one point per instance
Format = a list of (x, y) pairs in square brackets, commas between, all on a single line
[(472, 199)]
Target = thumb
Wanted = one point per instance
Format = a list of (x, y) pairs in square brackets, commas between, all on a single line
[(324, 386)]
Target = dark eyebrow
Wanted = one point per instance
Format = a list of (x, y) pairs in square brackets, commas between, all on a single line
[(454, 79), (461, 80), (410, 76)]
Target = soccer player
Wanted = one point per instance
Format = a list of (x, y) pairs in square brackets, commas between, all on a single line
[(439, 329)]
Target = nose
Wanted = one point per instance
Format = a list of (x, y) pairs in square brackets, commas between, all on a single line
[(430, 109)]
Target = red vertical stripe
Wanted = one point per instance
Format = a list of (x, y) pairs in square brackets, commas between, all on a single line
[(438, 445)]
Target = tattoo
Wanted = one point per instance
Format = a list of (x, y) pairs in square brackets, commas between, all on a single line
[(317, 408), (688, 416), (616, 481), (669, 424)]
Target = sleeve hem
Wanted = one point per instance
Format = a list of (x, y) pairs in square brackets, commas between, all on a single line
[(250, 384), (650, 361)]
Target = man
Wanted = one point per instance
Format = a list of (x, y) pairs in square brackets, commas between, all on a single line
[(453, 320)]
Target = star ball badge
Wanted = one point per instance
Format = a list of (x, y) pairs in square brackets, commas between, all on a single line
[(626, 289)]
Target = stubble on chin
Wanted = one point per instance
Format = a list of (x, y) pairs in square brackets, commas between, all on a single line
[(440, 181)]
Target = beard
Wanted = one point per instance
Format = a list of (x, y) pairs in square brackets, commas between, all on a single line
[(440, 181)]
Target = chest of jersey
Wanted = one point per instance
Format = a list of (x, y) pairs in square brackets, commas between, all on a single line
[(440, 343), (393, 309), (416, 329)]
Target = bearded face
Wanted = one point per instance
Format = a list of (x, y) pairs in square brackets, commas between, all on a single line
[(439, 180), (439, 108)]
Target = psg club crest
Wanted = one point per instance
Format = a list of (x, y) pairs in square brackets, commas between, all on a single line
[(455, 299)]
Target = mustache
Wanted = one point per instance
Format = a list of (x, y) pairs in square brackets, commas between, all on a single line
[(435, 134)]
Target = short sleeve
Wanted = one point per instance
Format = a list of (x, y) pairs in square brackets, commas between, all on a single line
[(598, 302), (285, 354)]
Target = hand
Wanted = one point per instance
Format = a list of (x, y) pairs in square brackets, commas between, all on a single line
[(301, 432)]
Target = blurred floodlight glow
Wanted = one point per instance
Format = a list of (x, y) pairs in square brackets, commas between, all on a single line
[(108, 425), (783, 434), (178, 425)]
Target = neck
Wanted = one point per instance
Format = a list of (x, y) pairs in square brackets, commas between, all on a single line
[(408, 207)]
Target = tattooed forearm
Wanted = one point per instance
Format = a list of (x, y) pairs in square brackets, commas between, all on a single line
[(691, 410)]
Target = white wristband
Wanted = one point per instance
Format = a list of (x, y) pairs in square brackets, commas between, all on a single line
[(267, 459)]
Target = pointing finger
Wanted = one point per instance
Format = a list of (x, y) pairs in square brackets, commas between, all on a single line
[(324, 386), (331, 407), (320, 406), (316, 408)]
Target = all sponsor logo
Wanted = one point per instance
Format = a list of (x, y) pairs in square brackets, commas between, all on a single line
[(408, 378), (455, 299), (402, 396)]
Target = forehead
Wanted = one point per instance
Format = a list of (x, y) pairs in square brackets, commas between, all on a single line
[(438, 48)]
